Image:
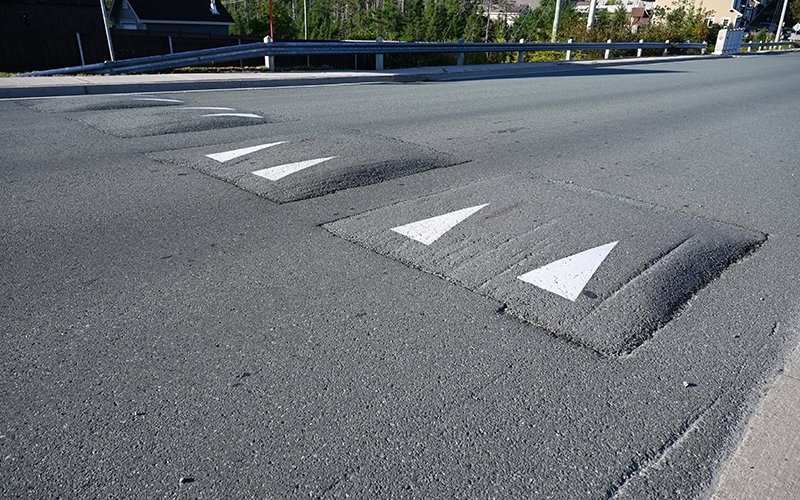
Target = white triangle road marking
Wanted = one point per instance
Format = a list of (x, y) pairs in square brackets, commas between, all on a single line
[(157, 99), (281, 171), (236, 153), (238, 115), (427, 231), (568, 276)]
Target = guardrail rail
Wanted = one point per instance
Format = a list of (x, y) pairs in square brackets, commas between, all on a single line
[(379, 48)]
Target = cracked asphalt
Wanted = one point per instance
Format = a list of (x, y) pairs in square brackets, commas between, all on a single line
[(173, 325)]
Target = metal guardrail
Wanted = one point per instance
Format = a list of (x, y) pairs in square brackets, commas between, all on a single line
[(768, 45), (254, 50)]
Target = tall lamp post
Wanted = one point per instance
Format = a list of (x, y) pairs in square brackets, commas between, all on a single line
[(590, 20), (556, 21), (779, 30)]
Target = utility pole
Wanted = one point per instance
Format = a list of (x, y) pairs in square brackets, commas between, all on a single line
[(488, 20), (271, 29), (556, 21), (780, 23), (108, 32), (305, 19), (590, 21)]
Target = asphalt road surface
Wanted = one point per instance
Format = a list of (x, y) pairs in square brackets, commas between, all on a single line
[(570, 285)]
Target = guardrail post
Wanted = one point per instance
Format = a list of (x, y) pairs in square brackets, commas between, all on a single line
[(80, 48), (460, 56), (269, 61), (704, 49), (608, 51), (639, 50), (379, 57), (521, 54), (169, 40), (568, 57)]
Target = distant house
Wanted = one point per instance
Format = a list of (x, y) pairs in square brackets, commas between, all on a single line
[(510, 10), (641, 11), (640, 18), (196, 16), (718, 11)]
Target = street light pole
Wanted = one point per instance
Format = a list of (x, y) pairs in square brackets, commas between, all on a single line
[(305, 19), (108, 32), (556, 21), (780, 23), (590, 21)]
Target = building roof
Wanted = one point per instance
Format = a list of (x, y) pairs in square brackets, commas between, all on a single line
[(195, 11), (531, 4)]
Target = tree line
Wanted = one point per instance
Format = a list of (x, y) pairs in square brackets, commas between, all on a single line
[(450, 20)]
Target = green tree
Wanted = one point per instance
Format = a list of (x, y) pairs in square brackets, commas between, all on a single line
[(536, 25), (793, 14)]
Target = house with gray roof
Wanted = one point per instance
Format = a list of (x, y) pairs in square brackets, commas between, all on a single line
[(194, 16)]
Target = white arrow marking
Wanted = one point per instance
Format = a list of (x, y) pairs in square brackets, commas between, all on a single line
[(429, 230), (157, 99), (239, 115), (568, 276), (236, 153), (204, 108), (281, 171)]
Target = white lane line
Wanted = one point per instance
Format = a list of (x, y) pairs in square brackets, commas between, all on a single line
[(237, 89), (239, 115), (204, 108), (568, 276), (236, 153), (157, 99), (427, 231), (281, 171)]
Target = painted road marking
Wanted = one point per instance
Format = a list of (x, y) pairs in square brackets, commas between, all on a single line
[(204, 108), (429, 230), (281, 171), (568, 276), (236, 153), (157, 99), (238, 115)]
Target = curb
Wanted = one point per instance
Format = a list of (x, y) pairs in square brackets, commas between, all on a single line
[(433, 74), (181, 86)]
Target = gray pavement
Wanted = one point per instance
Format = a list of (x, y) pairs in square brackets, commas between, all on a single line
[(204, 310), (766, 464)]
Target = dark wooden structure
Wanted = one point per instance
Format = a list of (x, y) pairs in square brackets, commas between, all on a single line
[(36, 33), (41, 34)]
